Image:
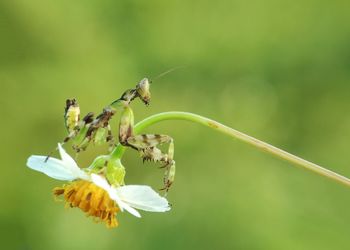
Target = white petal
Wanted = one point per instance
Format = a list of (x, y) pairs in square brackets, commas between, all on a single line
[(133, 196), (143, 197), (52, 167), (65, 157), (121, 204), (102, 183), (129, 209), (70, 164)]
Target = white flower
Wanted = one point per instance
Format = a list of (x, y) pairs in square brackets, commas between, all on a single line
[(84, 191), (64, 170)]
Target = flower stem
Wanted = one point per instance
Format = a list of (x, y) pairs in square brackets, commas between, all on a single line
[(175, 115)]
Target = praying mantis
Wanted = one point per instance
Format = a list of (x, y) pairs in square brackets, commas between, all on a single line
[(97, 130)]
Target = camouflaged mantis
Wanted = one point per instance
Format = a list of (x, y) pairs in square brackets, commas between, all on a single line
[(98, 130)]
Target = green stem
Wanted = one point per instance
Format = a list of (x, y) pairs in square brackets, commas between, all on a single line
[(119, 150)]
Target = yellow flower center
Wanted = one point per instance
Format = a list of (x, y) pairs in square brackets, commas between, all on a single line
[(93, 200)]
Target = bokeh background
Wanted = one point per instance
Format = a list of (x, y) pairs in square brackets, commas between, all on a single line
[(277, 70)]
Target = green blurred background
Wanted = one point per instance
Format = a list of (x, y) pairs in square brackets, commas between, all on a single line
[(277, 70)]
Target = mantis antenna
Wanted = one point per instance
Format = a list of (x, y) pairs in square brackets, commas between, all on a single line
[(167, 72)]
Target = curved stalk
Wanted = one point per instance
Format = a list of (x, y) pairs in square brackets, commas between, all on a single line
[(175, 115)]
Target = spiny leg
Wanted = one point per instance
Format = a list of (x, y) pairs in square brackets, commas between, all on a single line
[(96, 130), (110, 138), (144, 141), (147, 144), (71, 121), (169, 175), (81, 132)]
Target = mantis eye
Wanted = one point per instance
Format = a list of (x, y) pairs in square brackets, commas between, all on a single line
[(143, 91)]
